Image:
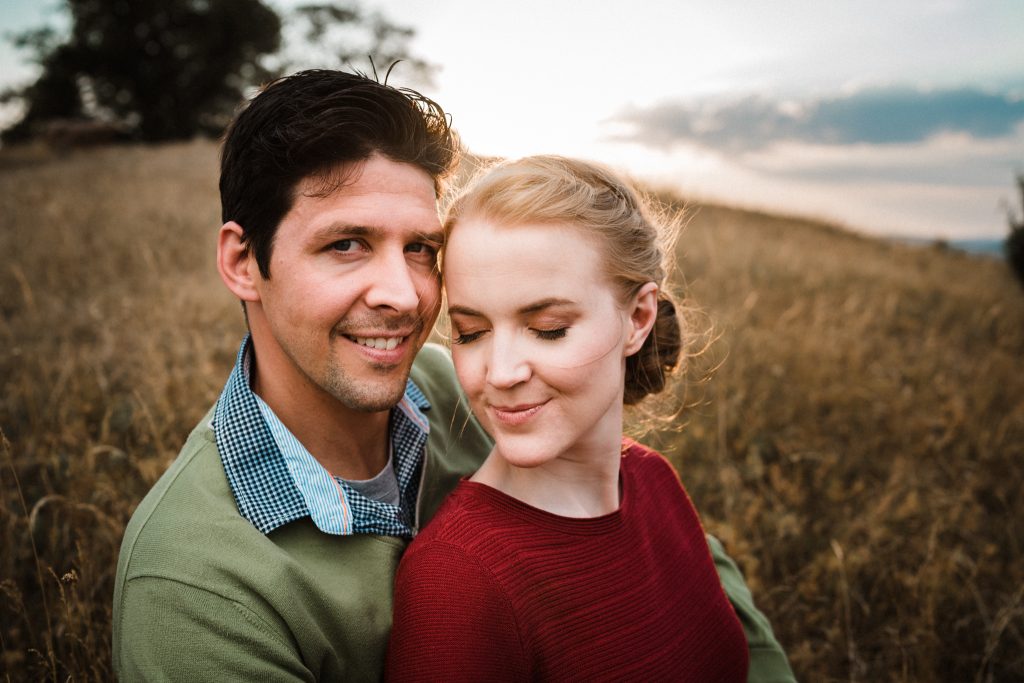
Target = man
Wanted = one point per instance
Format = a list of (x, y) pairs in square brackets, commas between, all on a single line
[(268, 549)]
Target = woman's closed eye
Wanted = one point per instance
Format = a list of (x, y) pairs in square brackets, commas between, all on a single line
[(545, 334), (551, 334), (467, 337)]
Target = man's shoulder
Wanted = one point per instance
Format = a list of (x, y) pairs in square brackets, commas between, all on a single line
[(193, 570), (457, 442), (185, 512), (452, 423), (433, 371), (434, 375)]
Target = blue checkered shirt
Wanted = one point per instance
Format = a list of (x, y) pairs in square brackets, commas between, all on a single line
[(275, 480)]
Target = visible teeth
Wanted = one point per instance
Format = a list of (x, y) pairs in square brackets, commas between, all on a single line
[(383, 343)]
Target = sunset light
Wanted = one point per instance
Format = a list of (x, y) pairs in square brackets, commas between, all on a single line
[(645, 85), (891, 118)]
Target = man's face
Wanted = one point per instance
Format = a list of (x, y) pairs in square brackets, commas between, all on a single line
[(353, 289)]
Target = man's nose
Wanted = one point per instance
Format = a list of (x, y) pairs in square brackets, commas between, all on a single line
[(394, 284)]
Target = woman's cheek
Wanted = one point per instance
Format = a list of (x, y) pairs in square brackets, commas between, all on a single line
[(468, 369), (583, 348)]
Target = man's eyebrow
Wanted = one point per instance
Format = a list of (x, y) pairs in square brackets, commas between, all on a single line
[(334, 230), (346, 229), (433, 236)]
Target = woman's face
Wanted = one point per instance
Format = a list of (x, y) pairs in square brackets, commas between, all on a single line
[(539, 338)]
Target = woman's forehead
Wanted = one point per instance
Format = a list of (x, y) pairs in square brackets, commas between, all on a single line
[(495, 266), (479, 242)]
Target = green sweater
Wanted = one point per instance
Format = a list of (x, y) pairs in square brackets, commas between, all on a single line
[(201, 594)]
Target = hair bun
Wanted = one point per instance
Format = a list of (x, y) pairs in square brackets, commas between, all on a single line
[(647, 370)]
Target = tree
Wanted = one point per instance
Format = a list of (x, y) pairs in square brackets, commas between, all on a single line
[(55, 94), (171, 69), (1014, 245), (166, 68), (332, 36)]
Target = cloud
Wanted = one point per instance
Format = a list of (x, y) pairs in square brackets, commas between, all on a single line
[(946, 159), (876, 116)]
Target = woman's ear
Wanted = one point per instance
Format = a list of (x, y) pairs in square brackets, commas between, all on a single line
[(237, 264), (643, 311)]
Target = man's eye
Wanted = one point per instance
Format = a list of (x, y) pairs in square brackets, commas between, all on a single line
[(467, 337), (421, 248), (551, 334), (344, 245)]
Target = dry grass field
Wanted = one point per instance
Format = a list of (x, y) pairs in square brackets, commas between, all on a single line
[(860, 448)]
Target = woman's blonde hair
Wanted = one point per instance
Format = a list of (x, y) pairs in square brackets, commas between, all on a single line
[(591, 197)]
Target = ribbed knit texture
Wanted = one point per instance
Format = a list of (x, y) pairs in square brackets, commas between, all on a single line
[(494, 589)]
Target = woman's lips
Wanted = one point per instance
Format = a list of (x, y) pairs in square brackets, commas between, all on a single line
[(514, 416)]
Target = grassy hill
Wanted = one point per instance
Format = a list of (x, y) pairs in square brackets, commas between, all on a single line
[(859, 446)]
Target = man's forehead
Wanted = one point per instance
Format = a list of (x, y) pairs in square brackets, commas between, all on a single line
[(375, 174)]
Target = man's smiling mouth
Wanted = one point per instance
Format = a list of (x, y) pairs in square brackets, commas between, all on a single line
[(382, 343)]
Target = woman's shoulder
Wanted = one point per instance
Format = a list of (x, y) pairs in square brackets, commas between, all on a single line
[(639, 457), (653, 472), (465, 519), (452, 615), (465, 544)]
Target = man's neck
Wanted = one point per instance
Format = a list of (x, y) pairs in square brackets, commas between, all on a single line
[(348, 443)]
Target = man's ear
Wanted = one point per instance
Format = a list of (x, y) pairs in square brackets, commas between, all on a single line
[(237, 265), (643, 311)]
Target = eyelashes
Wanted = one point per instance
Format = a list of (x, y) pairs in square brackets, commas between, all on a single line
[(547, 335), (551, 335), (466, 338)]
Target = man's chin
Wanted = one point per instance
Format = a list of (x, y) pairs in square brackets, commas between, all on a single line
[(376, 403), (379, 391)]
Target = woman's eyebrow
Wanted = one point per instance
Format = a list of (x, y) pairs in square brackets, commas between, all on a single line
[(464, 310), (543, 304), (535, 307)]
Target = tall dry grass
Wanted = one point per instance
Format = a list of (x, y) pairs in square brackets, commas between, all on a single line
[(114, 335), (859, 448)]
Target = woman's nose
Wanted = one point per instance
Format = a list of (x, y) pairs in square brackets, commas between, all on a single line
[(508, 365)]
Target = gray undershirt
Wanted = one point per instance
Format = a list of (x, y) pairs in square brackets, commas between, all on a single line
[(383, 486)]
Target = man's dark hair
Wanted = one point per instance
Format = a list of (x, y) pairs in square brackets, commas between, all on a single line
[(310, 123)]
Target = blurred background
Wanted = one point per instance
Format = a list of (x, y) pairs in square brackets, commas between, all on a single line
[(850, 173), (896, 118)]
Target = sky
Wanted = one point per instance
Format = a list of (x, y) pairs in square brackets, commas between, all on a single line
[(896, 117)]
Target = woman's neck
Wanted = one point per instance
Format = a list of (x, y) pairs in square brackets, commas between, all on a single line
[(583, 483)]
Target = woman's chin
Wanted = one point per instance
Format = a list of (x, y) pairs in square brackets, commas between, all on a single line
[(521, 453)]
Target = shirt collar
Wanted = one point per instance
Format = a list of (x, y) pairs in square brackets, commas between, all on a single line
[(275, 480)]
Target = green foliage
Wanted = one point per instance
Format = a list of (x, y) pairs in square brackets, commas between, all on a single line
[(332, 36), (1014, 246), (171, 69), (167, 68)]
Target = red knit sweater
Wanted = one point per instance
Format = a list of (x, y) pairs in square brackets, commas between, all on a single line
[(496, 590)]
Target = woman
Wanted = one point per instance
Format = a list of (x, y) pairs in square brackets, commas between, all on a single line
[(572, 554)]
